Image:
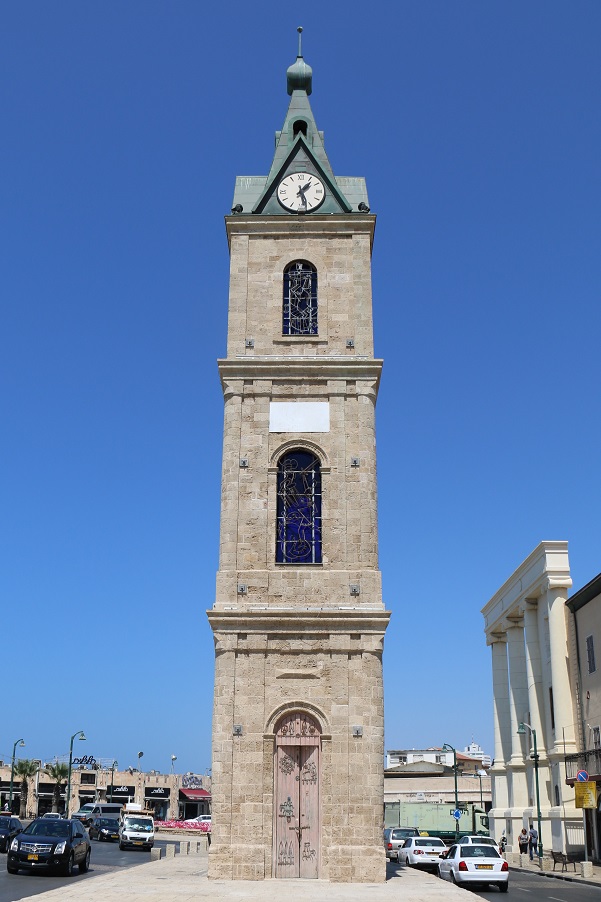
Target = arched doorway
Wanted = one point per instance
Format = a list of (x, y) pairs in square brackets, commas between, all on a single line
[(296, 790)]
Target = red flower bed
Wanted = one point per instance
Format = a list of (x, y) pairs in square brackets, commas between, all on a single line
[(200, 826)]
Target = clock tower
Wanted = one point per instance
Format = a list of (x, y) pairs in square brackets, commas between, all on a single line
[(298, 618)]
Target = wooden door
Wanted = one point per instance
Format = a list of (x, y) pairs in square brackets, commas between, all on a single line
[(297, 812)]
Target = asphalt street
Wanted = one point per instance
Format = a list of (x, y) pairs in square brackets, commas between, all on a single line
[(105, 857)]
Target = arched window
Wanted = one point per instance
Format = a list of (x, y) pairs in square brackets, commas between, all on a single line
[(300, 299), (299, 509)]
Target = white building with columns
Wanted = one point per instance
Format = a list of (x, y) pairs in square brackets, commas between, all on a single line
[(526, 627)]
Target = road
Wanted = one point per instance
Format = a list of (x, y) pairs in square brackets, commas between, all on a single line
[(525, 887), (105, 857)]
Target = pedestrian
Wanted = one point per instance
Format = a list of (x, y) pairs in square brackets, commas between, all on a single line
[(523, 841), (532, 841), (502, 844)]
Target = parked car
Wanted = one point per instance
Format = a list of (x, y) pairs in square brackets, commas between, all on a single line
[(478, 841), (50, 843), (104, 828), (9, 827), (201, 819), (395, 837), (421, 852), (470, 863), (50, 814)]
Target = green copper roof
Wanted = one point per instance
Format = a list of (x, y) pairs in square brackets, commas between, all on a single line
[(299, 146)]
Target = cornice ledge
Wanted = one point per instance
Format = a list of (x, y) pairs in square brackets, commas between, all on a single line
[(289, 621), (313, 224), (322, 368)]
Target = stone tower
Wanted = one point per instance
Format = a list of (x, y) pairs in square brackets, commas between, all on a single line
[(298, 619)]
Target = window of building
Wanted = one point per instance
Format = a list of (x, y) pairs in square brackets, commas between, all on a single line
[(298, 509), (596, 737), (552, 707), (557, 799), (590, 654), (300, 299), (89, 779)]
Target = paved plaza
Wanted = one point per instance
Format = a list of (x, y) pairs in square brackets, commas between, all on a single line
[(183, 878)]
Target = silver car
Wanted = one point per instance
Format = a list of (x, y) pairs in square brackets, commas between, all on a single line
[(395, 837)]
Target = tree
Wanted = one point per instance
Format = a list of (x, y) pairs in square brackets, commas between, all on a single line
[(58, 773), (25, 768)]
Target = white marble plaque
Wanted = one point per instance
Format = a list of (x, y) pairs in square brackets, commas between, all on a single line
[(299, 416)]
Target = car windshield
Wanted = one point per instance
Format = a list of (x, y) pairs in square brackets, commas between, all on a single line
[(49, 827), (432, 841), (107, 822), (4, 823), (141, 824), (479, 852), (401, 834)]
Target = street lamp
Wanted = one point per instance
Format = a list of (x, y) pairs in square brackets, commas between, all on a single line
[(173, 760), (140, 755), (113, 766), (19, 742), (522, 732), (79, 733), (447, 747)]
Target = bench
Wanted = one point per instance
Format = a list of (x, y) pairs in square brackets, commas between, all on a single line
[(563, 859)]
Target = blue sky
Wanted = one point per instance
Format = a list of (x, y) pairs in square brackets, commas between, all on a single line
[(477, 127)]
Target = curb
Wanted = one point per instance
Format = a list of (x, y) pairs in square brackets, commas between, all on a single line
[(569, 878)]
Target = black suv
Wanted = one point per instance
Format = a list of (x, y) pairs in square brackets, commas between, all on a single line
[(9, 827), (50, 843)]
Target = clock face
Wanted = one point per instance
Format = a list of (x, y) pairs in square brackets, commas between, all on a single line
[(301, 192)]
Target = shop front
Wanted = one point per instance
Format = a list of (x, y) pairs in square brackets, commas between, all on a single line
[(5, 795), (120, 792), (157, 798), (46, 798), (193, 802)]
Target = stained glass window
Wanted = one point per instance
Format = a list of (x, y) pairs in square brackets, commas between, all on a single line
[(299, 509), (300, 299)]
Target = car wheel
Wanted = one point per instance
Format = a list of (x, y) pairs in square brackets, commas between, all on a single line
[(12, 870), (121, 846), (504, 887), (85, 864), (438, 874), (454, 879), (68, 867)]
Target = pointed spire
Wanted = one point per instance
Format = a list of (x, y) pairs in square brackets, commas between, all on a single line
[(299, 75)]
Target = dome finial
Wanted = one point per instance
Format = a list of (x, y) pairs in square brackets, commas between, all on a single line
[(299, 75)]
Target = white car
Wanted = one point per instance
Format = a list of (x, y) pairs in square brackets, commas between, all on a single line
[(470, 863), (421, 852), (201, 819), (478, 841)]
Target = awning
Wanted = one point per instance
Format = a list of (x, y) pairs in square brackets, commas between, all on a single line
[(195, 794)]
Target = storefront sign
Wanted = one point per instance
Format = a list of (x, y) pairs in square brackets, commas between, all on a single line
[(586, 794), (191, 781), (120, 791), (157, 792), (86, 761)]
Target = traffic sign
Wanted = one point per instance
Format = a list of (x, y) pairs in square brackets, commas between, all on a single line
[(457, 814), (582, 776)]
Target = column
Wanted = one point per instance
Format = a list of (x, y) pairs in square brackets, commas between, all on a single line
[(500, 683), (534, 673), (518, 702), (560, 678)]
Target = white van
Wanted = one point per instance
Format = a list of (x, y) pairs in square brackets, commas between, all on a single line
[(136, 828)]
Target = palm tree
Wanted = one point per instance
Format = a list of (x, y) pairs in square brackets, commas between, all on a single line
[(25, 768), (57, 772)]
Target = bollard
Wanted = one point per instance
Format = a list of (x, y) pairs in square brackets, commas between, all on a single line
[(156, 854), (170, 850), (586, 869), (184, 848)]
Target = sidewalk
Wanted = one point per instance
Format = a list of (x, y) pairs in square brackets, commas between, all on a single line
[(183, 878)]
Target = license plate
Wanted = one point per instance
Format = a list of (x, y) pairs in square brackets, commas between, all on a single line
[(137, 843), (484, 867), (114, 836), (32, 858)]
